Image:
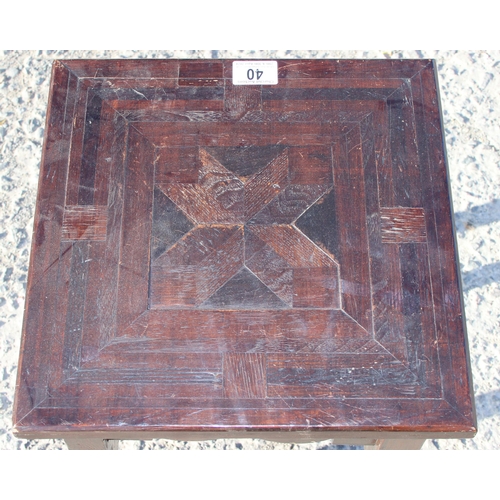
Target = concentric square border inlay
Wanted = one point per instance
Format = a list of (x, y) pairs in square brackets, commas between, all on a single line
[(126, 333)]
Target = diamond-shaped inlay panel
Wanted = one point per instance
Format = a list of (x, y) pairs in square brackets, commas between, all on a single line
[(216, 264)]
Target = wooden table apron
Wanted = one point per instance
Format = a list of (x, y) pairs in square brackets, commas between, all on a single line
[(224, 259)]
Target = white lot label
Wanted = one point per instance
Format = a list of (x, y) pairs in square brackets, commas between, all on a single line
[(255, 72)]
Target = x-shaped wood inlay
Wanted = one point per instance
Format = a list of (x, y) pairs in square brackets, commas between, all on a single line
[(243, 243)]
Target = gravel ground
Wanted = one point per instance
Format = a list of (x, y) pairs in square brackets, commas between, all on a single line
[(470, 94)]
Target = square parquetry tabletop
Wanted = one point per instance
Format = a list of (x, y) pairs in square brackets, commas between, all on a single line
[(218, 257)]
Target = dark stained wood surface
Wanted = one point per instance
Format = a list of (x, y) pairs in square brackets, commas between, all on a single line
[(218, 258)]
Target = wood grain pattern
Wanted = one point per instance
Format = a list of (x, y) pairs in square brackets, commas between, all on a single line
[(84, 222), (403, 225), (245, 376), (218, 258)]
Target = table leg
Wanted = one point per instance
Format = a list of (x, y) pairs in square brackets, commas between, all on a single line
[(397, 444), (91, 444)]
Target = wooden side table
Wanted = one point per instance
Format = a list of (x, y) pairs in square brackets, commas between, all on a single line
[(213, 259)]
